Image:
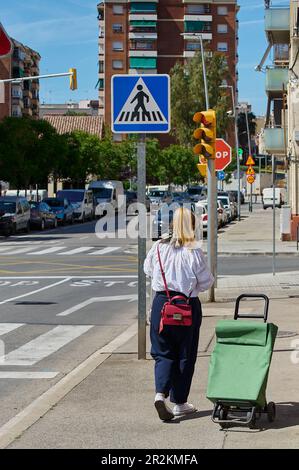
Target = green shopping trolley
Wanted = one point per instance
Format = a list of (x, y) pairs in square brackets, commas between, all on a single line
[(239, 368)]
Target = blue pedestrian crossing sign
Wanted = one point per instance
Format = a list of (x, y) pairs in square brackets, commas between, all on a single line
[(140, 104), (221, 175)]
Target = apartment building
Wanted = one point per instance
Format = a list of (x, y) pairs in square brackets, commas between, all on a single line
[(21, 99), (150, 36)]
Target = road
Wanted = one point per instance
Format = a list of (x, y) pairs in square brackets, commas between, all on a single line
[(63, 295)]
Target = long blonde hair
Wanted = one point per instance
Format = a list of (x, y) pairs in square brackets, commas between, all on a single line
[(184, 222)]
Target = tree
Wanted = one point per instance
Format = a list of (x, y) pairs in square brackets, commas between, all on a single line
[(188, 96)]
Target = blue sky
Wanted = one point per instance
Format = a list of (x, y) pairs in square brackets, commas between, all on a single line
[(65, 33)]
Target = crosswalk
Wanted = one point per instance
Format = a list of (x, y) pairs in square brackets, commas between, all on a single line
[(35, 250), (36, 350), (149, 116)]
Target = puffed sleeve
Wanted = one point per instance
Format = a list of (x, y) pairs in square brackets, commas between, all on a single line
[(149, 261), (201, 270)]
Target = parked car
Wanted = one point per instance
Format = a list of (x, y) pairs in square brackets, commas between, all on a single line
[(159, 197), (42, 216), (107, 192), (197, 193), (234, 195), (62, 208), (222, 213), (220, 218), (14, 215), (162, 222), (82, 202), (229, 203), (181, 197), (268, 197)]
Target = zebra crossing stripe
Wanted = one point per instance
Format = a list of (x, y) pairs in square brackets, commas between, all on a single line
[(44, 345), (76, 251), (8, 327), (47, 251), (17, 252), (104, 251)]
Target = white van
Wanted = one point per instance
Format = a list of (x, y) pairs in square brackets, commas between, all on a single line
[(108, 192), (82, 202), (280, 196)]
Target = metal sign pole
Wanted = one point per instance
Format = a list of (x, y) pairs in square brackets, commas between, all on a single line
[(212, 197), (141, 159), (274, 204)]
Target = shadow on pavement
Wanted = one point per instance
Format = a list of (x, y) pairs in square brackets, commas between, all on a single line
[(196, 415)]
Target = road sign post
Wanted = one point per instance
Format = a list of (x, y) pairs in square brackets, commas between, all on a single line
[(140, 104), (250, 162)]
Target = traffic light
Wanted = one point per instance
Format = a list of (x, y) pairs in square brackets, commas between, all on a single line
[(206, 133), (73, 79)]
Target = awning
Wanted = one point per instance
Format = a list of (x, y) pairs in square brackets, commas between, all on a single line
[(143, 63), (136, 7), (143, 23), (194, 26)]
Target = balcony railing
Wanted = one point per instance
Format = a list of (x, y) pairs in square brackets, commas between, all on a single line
[(274, 140), (277, 25), (276, 80)]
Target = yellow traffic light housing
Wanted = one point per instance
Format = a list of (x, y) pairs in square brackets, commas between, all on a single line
[(73, 79), (206, 133)]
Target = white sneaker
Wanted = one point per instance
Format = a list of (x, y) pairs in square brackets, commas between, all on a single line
[(183, 409), (165, 413)]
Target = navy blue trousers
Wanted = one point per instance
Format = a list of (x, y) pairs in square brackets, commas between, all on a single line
[(174, 351)]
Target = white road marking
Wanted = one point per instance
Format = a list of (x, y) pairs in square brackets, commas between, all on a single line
[(38, 408), (47, 251), (76, 251), (130, 276), (8, 327), (115, 298), (105, 251), (17, 252), (36, 291), (44, 345), (27, 375)]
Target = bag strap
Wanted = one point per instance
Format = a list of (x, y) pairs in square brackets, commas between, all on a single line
[(163, 273)]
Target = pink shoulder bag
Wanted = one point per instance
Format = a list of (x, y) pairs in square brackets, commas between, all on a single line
[(175, 314)]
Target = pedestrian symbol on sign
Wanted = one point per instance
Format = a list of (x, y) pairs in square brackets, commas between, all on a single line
[(140, 103), (146, 110)]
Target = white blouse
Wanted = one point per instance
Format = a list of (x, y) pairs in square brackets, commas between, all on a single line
[(186, 270)]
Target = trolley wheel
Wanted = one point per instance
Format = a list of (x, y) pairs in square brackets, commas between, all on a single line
[(252, 423), (223, 416), (271, 411)]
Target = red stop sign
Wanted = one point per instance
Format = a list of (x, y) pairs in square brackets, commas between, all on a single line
[(223, 154), (5, 43)]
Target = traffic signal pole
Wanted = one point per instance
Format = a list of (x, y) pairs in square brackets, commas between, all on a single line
[(212, 197)]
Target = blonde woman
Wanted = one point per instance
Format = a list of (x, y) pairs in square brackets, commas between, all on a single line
[(175, 348)]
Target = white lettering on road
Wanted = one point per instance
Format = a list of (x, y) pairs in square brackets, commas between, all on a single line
[(36, 291)]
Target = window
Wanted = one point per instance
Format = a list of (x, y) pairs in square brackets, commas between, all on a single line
[(101, 67), (193, 46), (222, 10), (222, 28), (142, 45), (198, 9), (118, 9), (222, 47), (117, 64), (118, 46), (140, 7), (197, 26), (117, 28), (101, 84)]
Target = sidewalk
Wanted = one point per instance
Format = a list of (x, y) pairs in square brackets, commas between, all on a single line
[(113, 408), (253, 235)]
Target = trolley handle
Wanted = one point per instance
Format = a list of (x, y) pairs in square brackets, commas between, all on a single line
[(252, 296)]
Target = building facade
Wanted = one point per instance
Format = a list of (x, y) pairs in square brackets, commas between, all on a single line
[(21, 99), (150, 36)]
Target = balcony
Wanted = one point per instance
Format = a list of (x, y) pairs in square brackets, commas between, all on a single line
[(141, 63), (274, 143), (277, 25), (276, 81), (143, 7)]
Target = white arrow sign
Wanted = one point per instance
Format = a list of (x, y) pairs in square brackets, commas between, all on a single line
[(129, 298)]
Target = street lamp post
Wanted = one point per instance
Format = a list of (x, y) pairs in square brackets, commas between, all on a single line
[(235, 116)]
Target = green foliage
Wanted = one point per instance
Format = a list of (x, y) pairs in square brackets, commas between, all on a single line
[(188, 95)]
